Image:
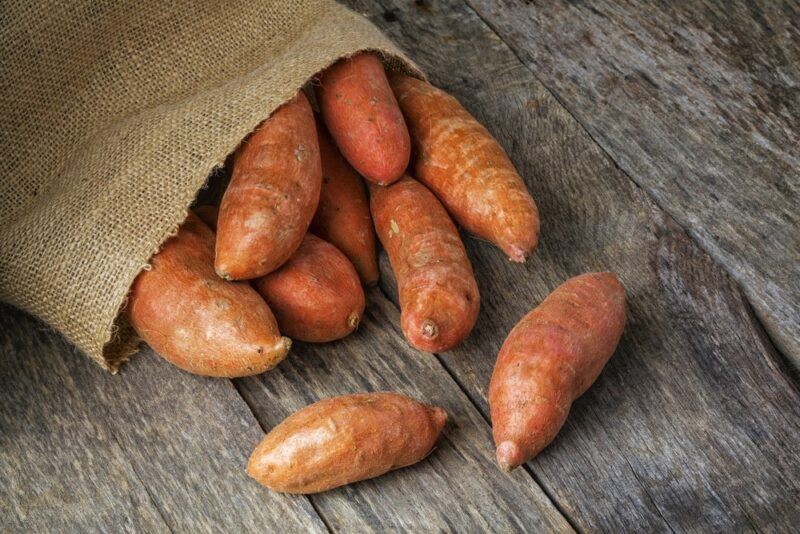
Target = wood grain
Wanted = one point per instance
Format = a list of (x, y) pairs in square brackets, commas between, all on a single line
[(699, 103), (152, 449), (692, 424), (456, 489)]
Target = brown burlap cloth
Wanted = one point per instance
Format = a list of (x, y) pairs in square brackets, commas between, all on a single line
[(112, 115)]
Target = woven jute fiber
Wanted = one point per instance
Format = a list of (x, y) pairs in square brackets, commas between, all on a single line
[(112, 115)]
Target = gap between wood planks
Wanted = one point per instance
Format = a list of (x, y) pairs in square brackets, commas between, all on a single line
[(781, 357)]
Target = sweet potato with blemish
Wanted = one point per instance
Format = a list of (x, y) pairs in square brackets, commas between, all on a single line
[(361, 113), (342, 216), (316, 296), (549, 359), (345, 439), (272, 195), (467, 169), (198, 322), (439, 298), (208, 214)]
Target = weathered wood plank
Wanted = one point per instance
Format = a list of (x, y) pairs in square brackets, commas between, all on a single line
[(694, 423), (152, 449), (699, 103), (456, 489)]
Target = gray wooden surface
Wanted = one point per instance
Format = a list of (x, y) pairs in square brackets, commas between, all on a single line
[(698, 102), (693, 425)]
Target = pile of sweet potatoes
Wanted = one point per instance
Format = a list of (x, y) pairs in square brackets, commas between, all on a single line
[(293, 242)]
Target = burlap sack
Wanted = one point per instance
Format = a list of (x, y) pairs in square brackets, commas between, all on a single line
[(113, 113)]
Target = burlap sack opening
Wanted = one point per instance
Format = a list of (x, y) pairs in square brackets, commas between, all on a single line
[(114, 113)]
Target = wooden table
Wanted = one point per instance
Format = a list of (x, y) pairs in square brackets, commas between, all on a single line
[(661, 143)]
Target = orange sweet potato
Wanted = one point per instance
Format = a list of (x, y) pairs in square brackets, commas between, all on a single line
[(361, 113), (345, 439), (342, 216), (460, 161), (316, 295), (198, 322), (439, 298), (272, 196), (208, 214), (549, 359)]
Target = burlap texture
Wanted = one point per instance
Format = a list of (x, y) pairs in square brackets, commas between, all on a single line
[(112, 115)]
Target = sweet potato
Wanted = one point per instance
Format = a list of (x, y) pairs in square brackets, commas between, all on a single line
[(345, 439), (342, 216), (316, 295), (198, 322), (208, 214), (272, 196), (439, 298), (549, 359), (460, 161), (361, 113)]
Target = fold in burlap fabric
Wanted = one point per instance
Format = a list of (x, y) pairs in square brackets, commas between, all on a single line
[(113, 113)]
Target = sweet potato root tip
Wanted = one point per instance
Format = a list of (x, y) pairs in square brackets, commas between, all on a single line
[(509, 456), (429, 329), (353, 319)]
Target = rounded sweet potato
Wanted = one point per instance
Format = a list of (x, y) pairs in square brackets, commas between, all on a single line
[(342, 216), (439, 299), (467, 169), (272, 195), (345, 439), (361, 113), (316, 295), (549, 359), (198, 322)]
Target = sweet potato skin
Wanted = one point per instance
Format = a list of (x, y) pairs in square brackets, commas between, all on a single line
[(439, 299), (549, 359), (272, 195), (198, 322), (316, 296), (467, 169), (361, 113), (345, 439), (342, 216)]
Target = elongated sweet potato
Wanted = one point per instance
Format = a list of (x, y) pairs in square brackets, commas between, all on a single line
[(361, 113), (342, 216), (272, 196), (316, 295), (439, 298), (198, 322), (549, 359), (467, 169), (208, 214), (345, 439)]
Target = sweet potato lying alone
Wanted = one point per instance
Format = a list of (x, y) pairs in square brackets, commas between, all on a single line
[(345, 439), (316, 295), (272, 196), (198, 322), (439, 298), (361, 113), (342, 216), (549, 359), (467, 169)]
